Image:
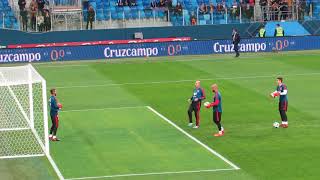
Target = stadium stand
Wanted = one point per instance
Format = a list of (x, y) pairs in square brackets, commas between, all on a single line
[(139, 13), (7, 17)]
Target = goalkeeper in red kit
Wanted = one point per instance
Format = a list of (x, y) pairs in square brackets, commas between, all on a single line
[(282, 93), (195, 104), (54, 109), (216, 105)]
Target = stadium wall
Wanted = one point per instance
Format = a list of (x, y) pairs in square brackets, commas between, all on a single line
[(203, 32), (106, 52)]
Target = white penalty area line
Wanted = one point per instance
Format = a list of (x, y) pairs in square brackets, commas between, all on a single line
[(186, 80), (235, 167), (148, 174), (101, 109)]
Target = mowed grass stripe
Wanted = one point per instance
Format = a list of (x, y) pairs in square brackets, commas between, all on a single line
[(126, 141)]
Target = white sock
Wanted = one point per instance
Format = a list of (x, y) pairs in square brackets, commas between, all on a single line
[(285, 122), (222, 128), (50, 135), (54, 137)]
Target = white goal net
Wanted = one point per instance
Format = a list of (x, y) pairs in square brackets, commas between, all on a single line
[(23, 113)]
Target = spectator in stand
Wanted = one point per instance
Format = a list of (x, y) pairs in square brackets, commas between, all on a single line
[(168, 4), (309, 6), (22, 4), (220, 7), (153, 4), (178, 9), (46, 5), (193, 19), (264, 8), (251, 9), (289, 8), (132, 2), (234, 10), (161, 4), (41, 4), (120, 3), (211, 8), (33, 3), (301, 9), (40, 22), (274, 9), (33, 13), (24, 19), (203, 9), (91, 17), (47, 21), (168, 8), (283, 9)]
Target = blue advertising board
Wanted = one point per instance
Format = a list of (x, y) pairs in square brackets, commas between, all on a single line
[(46, 54)]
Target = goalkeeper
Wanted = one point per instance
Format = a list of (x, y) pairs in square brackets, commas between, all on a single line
[(282, 93), (217, 109), (195, 104), (54, 109)]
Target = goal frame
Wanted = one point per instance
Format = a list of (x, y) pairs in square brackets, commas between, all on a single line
[(30, 121)]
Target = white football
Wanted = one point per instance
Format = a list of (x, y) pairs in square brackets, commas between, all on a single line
[(272, 95), (206, 103), (276, 124)]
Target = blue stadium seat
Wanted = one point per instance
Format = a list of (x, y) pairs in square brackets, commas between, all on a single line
[(100, 16), (142, 14)]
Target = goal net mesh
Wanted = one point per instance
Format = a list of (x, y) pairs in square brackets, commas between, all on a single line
[(23, 130)]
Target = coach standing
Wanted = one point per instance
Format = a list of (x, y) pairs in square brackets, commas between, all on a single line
[(236, 41)]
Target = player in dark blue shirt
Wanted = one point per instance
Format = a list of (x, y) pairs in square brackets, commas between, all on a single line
[(282, 92), (54, 110), (217, 109), (195, 104)]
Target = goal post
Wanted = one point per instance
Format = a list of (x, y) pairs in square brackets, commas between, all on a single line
[(23, 113)]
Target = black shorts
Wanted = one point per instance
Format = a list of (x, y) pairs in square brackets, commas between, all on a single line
[(217, 116), (283, 105)]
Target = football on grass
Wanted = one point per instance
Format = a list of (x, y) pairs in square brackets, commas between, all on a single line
[(276, 124), (206, 103)]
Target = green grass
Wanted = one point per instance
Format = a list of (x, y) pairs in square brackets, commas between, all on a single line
[(125, 141)]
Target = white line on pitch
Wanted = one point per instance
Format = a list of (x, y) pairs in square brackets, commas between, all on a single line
[(101, 109), (55, 167), (195, 139), (185, 80), (22, 156), (148, 174)]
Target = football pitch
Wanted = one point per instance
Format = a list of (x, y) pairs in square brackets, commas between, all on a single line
[(127, 119)]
